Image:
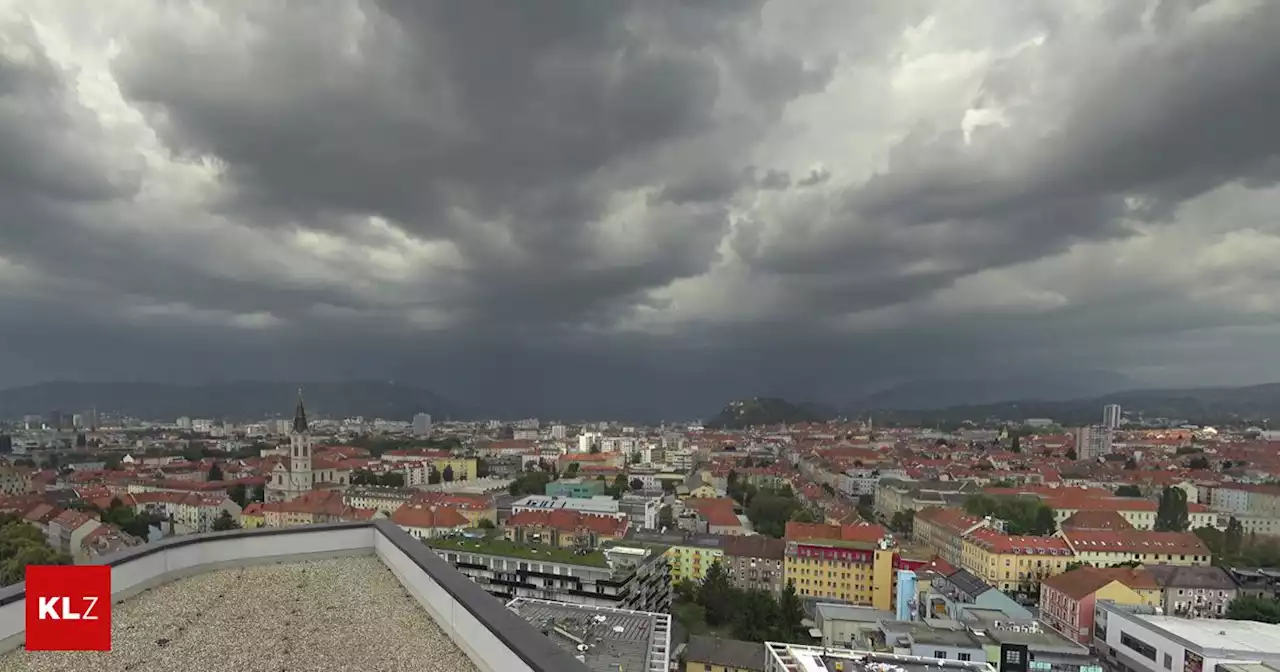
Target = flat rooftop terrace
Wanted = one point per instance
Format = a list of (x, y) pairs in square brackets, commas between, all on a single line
[(312, 598), (336, 614), (607, 640)]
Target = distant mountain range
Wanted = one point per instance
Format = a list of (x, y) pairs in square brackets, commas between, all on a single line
[(1045, 386), (1253, 404), (905, 404), (234, 401)]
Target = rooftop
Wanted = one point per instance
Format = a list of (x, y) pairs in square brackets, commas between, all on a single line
[(826, 659), (313, 597), (1240, 636), (335, 614), (606, 640), (495, 545)]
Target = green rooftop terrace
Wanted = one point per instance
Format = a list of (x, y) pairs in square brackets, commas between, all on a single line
[(496, 545)]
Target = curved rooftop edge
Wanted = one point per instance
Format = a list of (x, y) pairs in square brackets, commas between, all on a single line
[(493, 637)]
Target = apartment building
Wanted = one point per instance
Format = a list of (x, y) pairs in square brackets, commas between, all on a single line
[(1012, 563), (563, 528), (429, 521), (620, 577), (944, 529), (1104, 548), (1194, 592), (755, 562), (895, 495), (851, 563), (1067, 600), (382, 498)]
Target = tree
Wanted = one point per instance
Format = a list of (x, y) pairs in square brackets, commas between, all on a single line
[(790, 612), (259, 493), (529, 483), (755, 616), (1128, 491), (637, 484), (239, 494), (1249, 608), (1016, 446), (225, 521), (668, 486), (447, 474), (1233, 540), (215, 472), (1022, 515), (1130, 464), (1046, 522), (1171, 512), (595, 449), (1076, 564), (433, 475), (769, 509), (21, 545), (618, 487), (1071, 453), (81, 441), (482, 468), (1199, 462), (485, 524), (572, 469), (715, 594), (903, 521), (394, 479)]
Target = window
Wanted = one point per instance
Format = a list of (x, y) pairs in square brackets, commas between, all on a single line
[(966, 657), (1138, 646), (1168, 662), (1013, 656), (939, 653)]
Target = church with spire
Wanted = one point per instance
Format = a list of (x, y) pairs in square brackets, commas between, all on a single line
[(297, 471)]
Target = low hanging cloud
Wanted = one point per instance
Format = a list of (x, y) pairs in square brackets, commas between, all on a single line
[(515, 205)]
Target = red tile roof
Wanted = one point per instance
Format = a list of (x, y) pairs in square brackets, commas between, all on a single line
[(568, 520), (415, 515), (1084, 581), (717, 511), (993, 541), (1096, 520), (1135, 541), (864, 532)]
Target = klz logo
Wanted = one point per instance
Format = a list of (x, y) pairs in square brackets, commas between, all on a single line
[(68, 608), (49, 609)]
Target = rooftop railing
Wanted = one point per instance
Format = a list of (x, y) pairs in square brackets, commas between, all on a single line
[(495, 639)]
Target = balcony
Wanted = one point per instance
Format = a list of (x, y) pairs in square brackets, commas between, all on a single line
[(338, 596)]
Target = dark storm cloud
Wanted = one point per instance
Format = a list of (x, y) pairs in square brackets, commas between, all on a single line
[(1202, 117), (518, 201), (458, 114)]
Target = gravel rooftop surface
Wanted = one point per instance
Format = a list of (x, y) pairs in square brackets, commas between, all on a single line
[(343, 614)]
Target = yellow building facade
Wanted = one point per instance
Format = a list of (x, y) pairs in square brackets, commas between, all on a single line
[(1008, 562), (690, 563), (858, 572)]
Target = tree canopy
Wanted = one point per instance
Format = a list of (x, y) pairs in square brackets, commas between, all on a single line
[(22, 544), (751, 615), (1171, 512), (1250, 608), (1022, 515)]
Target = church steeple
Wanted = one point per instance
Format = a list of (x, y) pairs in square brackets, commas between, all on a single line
[(300, 416)]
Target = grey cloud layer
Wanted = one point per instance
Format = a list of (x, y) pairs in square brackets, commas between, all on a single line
[(781, 196)]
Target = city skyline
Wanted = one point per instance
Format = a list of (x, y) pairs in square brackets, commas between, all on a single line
[(688, 202)]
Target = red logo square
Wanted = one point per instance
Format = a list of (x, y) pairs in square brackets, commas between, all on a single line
[(68, 608)]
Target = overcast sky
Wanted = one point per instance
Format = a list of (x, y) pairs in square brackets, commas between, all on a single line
[(577, 200)]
